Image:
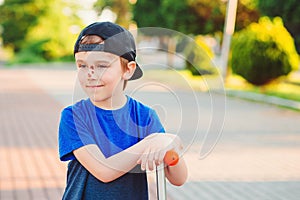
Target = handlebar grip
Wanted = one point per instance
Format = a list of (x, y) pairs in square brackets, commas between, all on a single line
[(171, 158)]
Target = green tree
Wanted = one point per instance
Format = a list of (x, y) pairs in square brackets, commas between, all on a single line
[(146, 13), (288, 10), (122, 8), (179, 16), (17, 16), (39, 30), (247, 13), (56, 29), (192, 16), (165, 13), (210, 15)]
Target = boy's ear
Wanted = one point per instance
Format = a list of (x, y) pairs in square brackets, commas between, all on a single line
[(130, 70)]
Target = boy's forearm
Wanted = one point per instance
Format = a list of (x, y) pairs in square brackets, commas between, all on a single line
[(177, 174), (111, 168), (135, 151), (127, 159)]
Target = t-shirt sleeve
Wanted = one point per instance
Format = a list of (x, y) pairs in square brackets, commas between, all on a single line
[(154, 125), (72, 134)]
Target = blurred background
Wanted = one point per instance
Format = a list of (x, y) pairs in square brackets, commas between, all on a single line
[(267, 33)]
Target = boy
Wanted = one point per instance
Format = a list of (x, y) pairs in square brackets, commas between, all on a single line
[(108, 135)]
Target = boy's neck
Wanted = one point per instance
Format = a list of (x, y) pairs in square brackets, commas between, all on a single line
[(113, 103)]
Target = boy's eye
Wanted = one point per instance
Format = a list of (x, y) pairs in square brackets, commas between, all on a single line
[(102, 66), (82, 66)]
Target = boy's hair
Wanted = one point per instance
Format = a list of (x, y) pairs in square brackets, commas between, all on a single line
[(95, 39)]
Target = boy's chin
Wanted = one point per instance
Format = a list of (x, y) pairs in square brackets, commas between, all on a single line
[(96, 98)]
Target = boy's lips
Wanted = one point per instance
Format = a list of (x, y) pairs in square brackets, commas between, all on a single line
[(94, 86)]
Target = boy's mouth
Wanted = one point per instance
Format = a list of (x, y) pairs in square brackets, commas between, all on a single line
[(94, 86)]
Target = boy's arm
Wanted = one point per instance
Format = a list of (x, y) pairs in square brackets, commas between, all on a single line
[(178, 173), (106, 169), (109, 169)]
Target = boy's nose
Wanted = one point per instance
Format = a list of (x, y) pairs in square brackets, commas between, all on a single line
[(91, 71)]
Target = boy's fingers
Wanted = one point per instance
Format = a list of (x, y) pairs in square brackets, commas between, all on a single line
[(144, 159), (156, 158), (162, 155), (150, 160)]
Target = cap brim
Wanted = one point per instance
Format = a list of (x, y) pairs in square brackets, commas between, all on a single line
[(138, 73)]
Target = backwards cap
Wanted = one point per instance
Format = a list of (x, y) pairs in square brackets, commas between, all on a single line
[(116, 40)]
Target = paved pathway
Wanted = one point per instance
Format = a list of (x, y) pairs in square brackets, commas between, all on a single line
[(257, 156), (28, 153)]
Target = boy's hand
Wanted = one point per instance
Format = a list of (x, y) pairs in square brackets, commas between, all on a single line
[(158, 145)]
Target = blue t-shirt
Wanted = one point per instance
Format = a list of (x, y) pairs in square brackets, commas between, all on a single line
[(113, 131)]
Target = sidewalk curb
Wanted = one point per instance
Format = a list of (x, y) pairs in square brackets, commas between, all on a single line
[(295, 105)]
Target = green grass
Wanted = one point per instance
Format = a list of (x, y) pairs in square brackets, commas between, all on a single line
[(183, 79), (286, 87)]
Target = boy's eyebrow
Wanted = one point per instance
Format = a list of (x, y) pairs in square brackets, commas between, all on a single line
[(97, 61), (107, 58), (79, 60)]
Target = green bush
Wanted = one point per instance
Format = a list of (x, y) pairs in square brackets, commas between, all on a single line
[(199, 57), (37, 51), (31, 52), (263, 52)]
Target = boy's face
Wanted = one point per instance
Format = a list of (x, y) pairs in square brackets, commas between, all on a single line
[(100, 75)]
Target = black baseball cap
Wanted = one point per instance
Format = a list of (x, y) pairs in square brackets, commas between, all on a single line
[(116, 40)]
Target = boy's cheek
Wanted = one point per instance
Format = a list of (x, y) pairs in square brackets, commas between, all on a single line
[(81, 77)]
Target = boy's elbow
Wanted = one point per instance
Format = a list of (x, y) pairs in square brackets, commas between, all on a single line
[(103, 178), (106, 177), (106, 180), (179, 176), (179, 181)]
